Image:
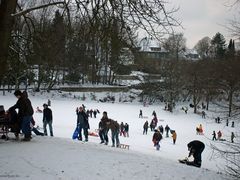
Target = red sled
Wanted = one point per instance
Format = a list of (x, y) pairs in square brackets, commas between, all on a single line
[(92, 134)]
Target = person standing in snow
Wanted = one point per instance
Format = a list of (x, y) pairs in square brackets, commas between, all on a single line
[(122, 129), (126, 127), (114, 126), (161, 129), (47, 119), (156, 139), (95, 113), (140, 114), (174, 136), (105, 121), (154, 113), (232, 137), (25, 112), (167, 129), (82, 121), (214, 136), (145, 127)]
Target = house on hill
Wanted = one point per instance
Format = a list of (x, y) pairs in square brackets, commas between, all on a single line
[(149, 55)]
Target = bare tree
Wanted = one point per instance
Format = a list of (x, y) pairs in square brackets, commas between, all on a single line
[(230, 152), (203, 47), (175, 44)]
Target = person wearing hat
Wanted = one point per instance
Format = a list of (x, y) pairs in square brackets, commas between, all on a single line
[(47, 119), (25, 112)]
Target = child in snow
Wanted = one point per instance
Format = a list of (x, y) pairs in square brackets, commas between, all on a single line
[(219, 135), (174, 136)]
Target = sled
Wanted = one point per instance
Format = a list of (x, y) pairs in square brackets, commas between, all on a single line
[(93, 134), (124, 146), (183, 161), (75, 133), (189, 163)]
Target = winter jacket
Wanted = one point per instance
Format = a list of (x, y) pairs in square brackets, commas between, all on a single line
[(157, 136), (47, 114), (114, 126), (145, 126), (82, 119), (174, 135), (24, 107), (195, 147), (105, 122)]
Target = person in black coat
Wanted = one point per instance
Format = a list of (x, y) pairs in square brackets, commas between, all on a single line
[(47, 119), (25, 112), (82, 121), (104, 128), (195, 149)]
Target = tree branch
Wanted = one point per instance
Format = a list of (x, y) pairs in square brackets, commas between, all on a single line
[(35, 8)]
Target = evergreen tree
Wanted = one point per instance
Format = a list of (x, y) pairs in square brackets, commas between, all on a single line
[(218, 46), (231, 48)]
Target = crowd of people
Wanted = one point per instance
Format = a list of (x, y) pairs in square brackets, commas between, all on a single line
[(27, 125)]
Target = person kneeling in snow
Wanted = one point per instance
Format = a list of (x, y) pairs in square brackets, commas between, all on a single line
[(195, 149), (157, 136)]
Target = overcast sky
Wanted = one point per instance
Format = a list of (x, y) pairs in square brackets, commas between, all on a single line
[(202, 18)]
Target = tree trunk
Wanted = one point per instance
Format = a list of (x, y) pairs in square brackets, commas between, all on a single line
[(230, 103), (7, 7)]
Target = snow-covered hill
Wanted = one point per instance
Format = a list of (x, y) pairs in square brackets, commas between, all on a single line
[(62, 158)]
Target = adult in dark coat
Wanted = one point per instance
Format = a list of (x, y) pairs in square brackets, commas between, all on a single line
[(47, 119), (195, 149), (25, 112), (157, 136), (103, 130), (82, 121)]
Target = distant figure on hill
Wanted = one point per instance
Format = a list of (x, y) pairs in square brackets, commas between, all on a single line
[(145, 127), (167, 129), (233, 124), (174, 136), (126, 127), (219, 135), (232, 137), (154, 114), (140, 114), (203, 115), (49, 102), (214, 136)]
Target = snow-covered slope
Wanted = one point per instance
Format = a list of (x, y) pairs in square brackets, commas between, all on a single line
[(46, 157)]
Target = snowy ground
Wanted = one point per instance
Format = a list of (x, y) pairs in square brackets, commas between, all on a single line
[(63, 158)]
